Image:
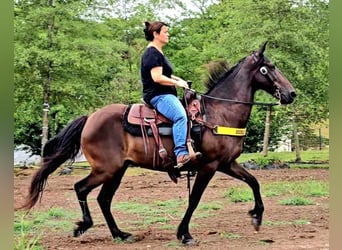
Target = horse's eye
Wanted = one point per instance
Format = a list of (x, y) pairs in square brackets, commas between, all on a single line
[(263, 70)]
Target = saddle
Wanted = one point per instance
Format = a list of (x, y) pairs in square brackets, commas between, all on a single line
[(152, 123)]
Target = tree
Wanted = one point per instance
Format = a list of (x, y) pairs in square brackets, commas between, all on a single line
[(94, 55), (79, 57), (297, 32)]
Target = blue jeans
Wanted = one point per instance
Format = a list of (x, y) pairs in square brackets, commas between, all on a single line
[(170, 106)]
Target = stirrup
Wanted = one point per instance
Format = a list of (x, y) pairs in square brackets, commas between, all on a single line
[(184, 160)]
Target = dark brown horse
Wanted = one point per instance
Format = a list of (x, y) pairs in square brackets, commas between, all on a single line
[(110, 150)]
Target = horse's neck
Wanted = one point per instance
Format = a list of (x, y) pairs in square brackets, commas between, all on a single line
[(226, 110)]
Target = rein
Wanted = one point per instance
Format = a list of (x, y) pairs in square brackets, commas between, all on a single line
[(237, 101), (223, 130)]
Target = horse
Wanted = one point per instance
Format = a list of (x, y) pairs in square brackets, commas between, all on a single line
[(110, 149)]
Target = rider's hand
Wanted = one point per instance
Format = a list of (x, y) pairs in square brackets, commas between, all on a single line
[(181, 83)]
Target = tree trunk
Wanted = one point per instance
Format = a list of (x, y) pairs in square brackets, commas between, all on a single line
[(46, 88), (296, 137)]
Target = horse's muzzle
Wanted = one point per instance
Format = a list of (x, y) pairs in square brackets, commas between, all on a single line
[(287, 98)]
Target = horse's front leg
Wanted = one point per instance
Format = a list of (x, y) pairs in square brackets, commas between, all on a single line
[(237, 171), (202, 179)]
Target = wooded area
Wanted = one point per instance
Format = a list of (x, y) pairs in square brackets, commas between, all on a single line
[(73, 57)]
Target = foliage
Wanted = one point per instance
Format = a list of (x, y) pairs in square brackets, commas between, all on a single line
[(81, 55)]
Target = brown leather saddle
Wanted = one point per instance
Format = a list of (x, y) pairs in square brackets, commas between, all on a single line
[(144, 114), (152, 123)]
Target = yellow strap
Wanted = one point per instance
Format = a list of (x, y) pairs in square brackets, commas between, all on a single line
[(219, 130)]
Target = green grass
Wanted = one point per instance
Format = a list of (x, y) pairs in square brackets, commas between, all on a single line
[(22, 234), (295, 189), (230, 236), (239, 194), (296, 201), (306, 156), (309, 188), (213, 205), (27, 226), (298, 222)]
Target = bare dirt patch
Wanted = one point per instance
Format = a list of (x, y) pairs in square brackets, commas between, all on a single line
[(229, 227)]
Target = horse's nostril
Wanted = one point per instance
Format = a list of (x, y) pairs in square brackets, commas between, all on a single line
[(293, 94)]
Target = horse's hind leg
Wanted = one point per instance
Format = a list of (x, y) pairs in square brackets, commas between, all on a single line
[(82, 189), (237, 171), (105, 198)]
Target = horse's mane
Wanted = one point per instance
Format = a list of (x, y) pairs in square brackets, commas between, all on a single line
[(218, 70)]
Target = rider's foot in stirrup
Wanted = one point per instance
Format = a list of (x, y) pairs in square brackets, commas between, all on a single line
[(184, 159)]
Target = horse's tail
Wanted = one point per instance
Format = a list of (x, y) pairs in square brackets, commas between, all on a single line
[(56, 151)]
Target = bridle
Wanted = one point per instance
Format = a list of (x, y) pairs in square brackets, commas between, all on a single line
[(264, 70), (269, 73)]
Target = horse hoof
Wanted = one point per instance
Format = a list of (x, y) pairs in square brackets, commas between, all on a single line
[(126, 236), (131, 239), (78, 233), (189, 242), (256, 224)]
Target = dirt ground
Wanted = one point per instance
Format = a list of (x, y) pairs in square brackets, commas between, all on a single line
[(229, 228)]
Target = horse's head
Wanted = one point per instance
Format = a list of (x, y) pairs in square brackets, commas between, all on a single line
[(269, 78)]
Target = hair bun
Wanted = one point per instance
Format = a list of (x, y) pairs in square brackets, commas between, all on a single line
[(146, 31), (147, 24)]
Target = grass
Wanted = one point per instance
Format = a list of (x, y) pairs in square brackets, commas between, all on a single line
[(26, 226), (230, 236), (296, 201), (298, 190), (23, 239), (239, 194), (310, 157), (285, 223)]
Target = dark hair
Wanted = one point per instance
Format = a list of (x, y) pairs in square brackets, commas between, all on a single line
[(152, 27)]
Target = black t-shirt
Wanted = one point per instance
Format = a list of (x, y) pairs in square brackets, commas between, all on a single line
[(150, 59)]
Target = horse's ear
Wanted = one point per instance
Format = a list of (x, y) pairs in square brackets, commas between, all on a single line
[(262, 49)]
